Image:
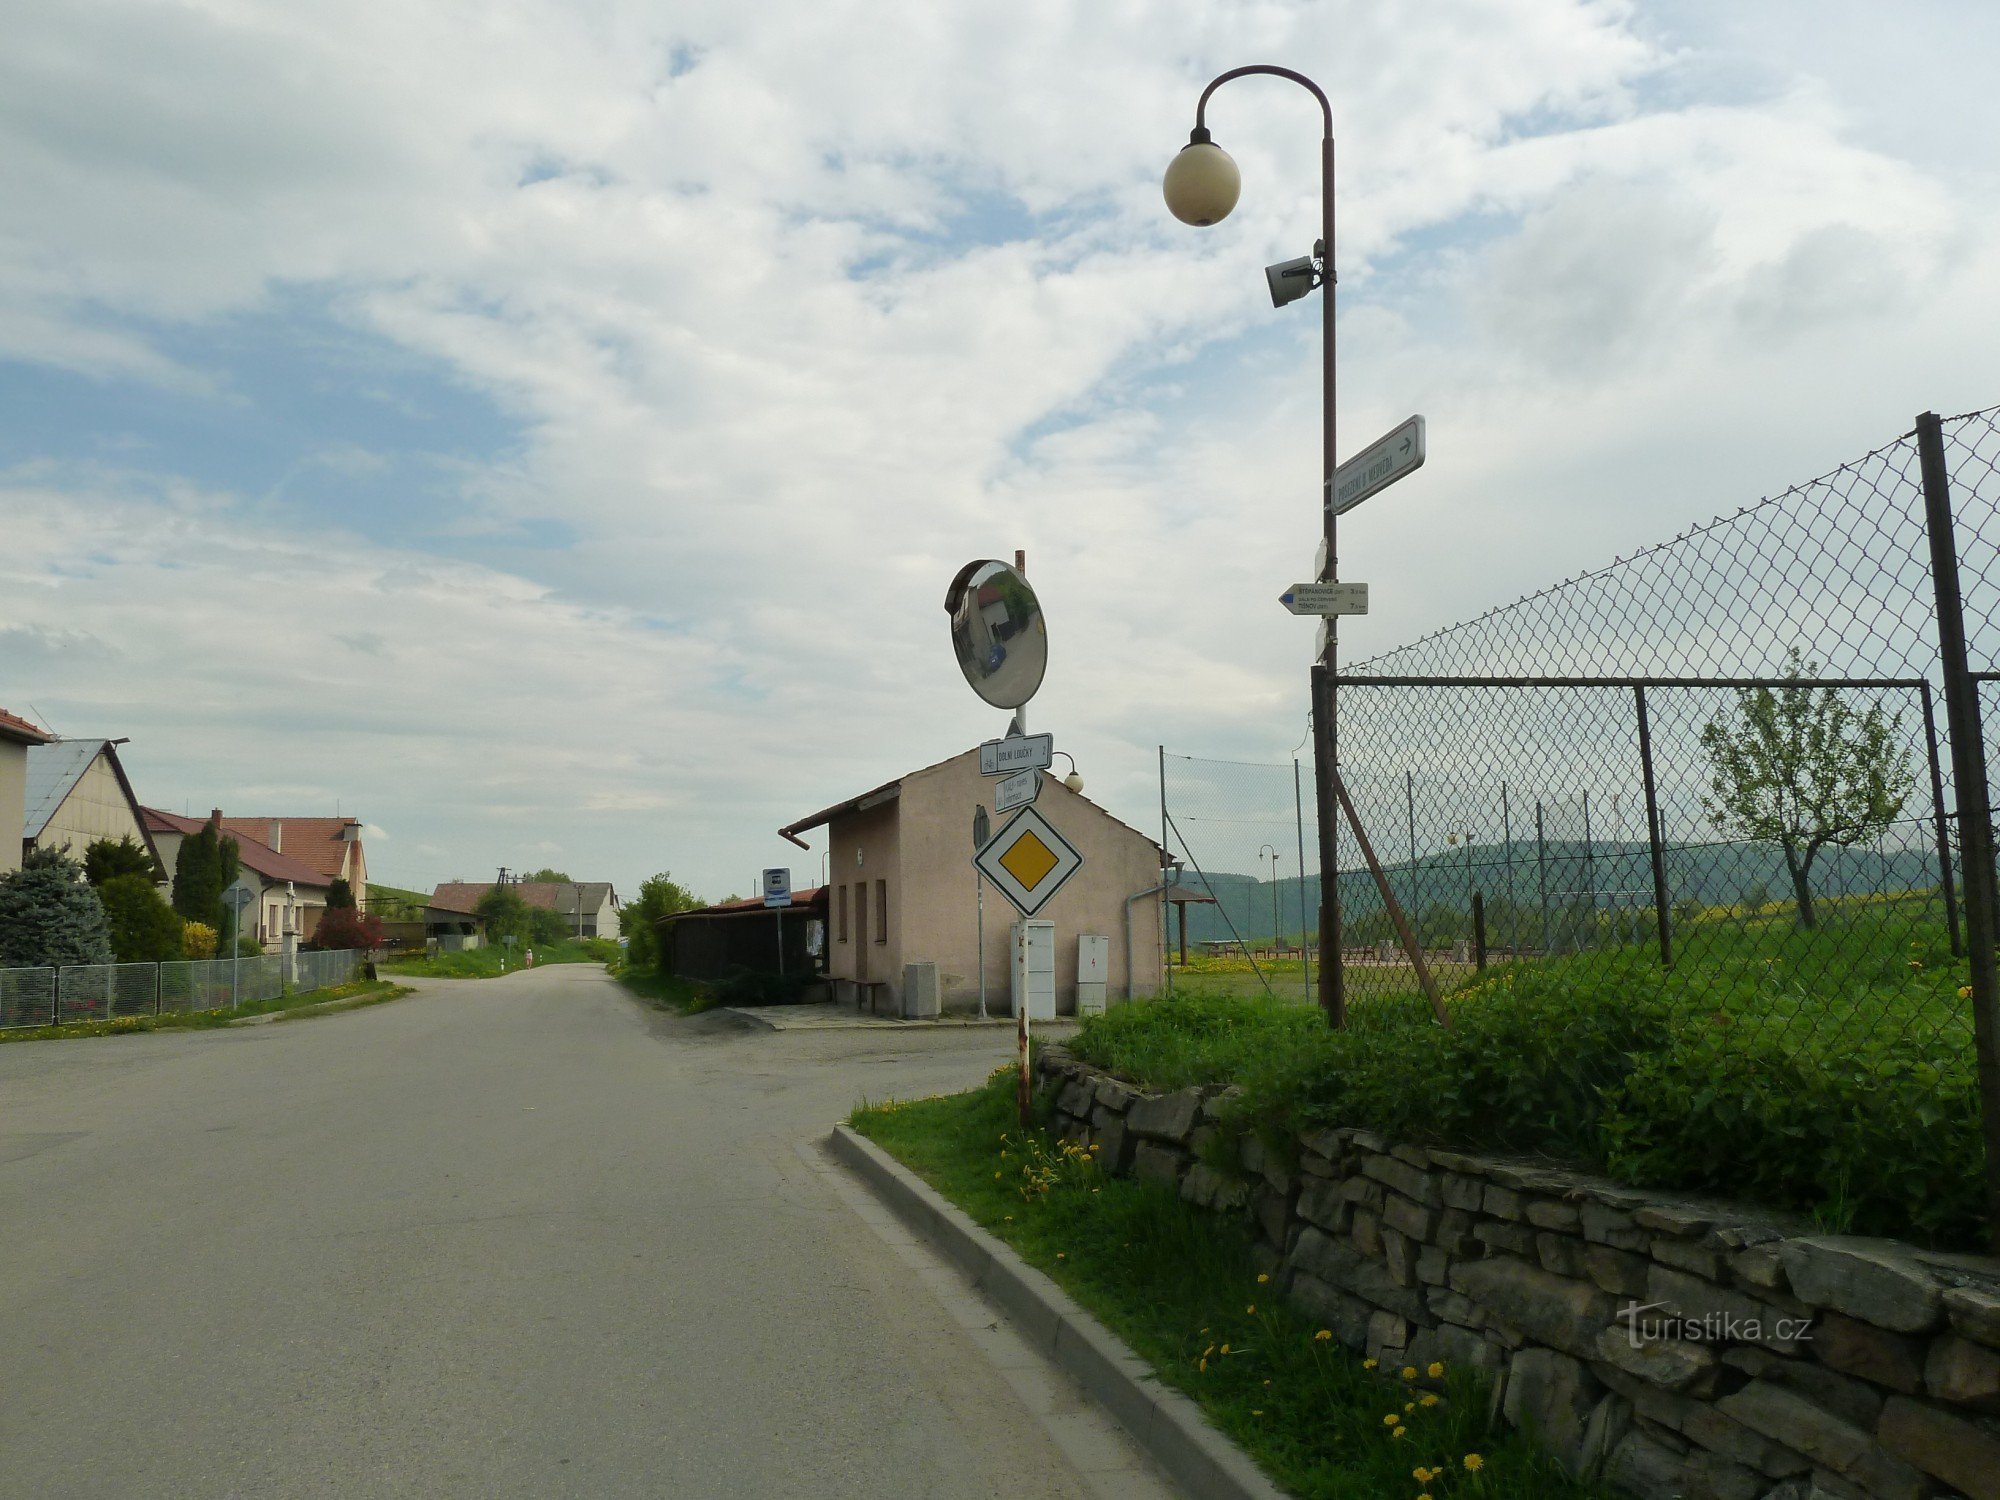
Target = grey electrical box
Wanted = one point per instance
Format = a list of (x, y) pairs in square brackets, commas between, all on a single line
[(1093, 969), (920, 991)]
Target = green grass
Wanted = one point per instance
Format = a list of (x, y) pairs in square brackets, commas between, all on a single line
[(1828, 1072), (489, 962), (298, 1007), (1179, 1286), (668, 992)]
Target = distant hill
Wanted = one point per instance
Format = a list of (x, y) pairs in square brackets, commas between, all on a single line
[(1602, 875)]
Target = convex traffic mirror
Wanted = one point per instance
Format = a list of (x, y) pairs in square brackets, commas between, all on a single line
[(997, 632)]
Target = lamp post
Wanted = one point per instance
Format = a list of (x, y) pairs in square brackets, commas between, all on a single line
[(1262, 850), (1074, 781), (1201, 187)]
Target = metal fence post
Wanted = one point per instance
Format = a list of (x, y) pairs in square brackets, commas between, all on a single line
[(1975, 819), (1663, 919), (1305, 925), (1946, 886), (1542, 873)]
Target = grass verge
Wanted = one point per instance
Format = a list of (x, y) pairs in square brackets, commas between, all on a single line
[(666, 992), (299, 1007), (1179, 1286), (489, 963)]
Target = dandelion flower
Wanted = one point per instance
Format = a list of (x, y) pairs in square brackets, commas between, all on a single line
[(1323, 1335), (1225, 1348), (1390, 1420), (1436, 1370), (1409, 1372), (1399, 1431), (1430, 1399), (1202, 1365), (1408, 1407), (1251, 1308), (1474, 1463), (1262, 1278), (1367, 1364)]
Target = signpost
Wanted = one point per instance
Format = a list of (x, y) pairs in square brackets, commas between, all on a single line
[(1020, 752), (1018, 790), (239, 895), (1398, 452), (778, 893), (981, 830), (1326, 598)]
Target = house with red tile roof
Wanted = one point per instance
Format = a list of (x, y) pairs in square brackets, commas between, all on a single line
[(331, 846), (17, 735), (589, 908), (284, 884)]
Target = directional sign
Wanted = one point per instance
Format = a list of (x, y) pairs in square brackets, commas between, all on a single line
[(1326, 598), (1029, 861), (1017, 790), (1018, 752), (777, 887), (1376, 467)]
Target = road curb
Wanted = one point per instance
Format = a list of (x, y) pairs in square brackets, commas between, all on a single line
[(1169, 1426)]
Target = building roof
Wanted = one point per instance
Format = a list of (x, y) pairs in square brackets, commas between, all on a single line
[(560, 896), (316, 842), (54, 769), (20, 731), (888, 791), (1185, 895), (749, 906), (254, 852)]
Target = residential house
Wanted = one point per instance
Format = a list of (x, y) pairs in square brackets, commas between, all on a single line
[(589, 908), (284, 885), (904, 891), (78, 794), (17, 738), (330, 846)]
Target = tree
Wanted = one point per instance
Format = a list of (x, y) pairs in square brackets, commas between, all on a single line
[(144, 929), (339, 895), (550, 877), (49, 915), (105, 860), (204, 868), (659, 896), (1801, 767), (342, 927), (503, 913), (546, 927)]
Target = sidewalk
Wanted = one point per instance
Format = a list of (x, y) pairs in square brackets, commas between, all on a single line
[(828, 1016)]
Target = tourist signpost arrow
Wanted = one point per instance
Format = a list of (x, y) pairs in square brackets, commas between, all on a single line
[(1017, 790), (1384, 461), (1326, 598), (1018, 752)]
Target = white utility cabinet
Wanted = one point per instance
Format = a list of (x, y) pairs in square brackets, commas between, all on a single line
[(1035, 969), (1093, 970)]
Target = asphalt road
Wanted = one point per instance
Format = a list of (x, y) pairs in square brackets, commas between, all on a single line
[(516, 1237)]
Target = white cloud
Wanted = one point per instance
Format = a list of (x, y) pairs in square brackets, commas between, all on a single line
[(740, 277)]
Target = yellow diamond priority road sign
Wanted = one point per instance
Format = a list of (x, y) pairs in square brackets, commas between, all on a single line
[(1028, 861)]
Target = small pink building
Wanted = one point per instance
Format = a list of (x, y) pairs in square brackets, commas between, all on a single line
[(902, 890)]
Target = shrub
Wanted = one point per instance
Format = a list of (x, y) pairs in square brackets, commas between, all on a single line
[(104, 860), (197, 940), (49, 915), (742, 986), (342, 927), (143, 928), (547, 928)]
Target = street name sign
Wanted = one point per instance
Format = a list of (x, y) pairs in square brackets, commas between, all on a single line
[(1396, 453), (777, 887), (1326, 598), (1018, 752), (1017, 790), (1028, 861)]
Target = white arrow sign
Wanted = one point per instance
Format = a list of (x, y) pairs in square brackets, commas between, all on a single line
[(1326, 598), (1376, 467), (1017, 790), (1021, 752)]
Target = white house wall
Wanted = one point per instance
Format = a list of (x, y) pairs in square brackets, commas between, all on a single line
[(96, 808)]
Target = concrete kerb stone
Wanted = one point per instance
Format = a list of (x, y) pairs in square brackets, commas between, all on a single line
[(1163, 1421)]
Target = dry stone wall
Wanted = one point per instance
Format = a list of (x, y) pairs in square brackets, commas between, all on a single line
[(1679, 1349)]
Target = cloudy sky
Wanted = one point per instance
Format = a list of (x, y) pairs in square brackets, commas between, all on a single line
[(545, 428)]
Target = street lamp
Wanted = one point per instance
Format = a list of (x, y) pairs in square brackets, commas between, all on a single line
[(1201, 187), (1262, 850), (1074, 781)]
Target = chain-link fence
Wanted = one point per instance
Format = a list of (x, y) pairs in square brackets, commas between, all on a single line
[(1749, 768), (101, 992)]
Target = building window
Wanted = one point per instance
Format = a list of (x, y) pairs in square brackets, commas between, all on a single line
[(881, 911), (842, 903)]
